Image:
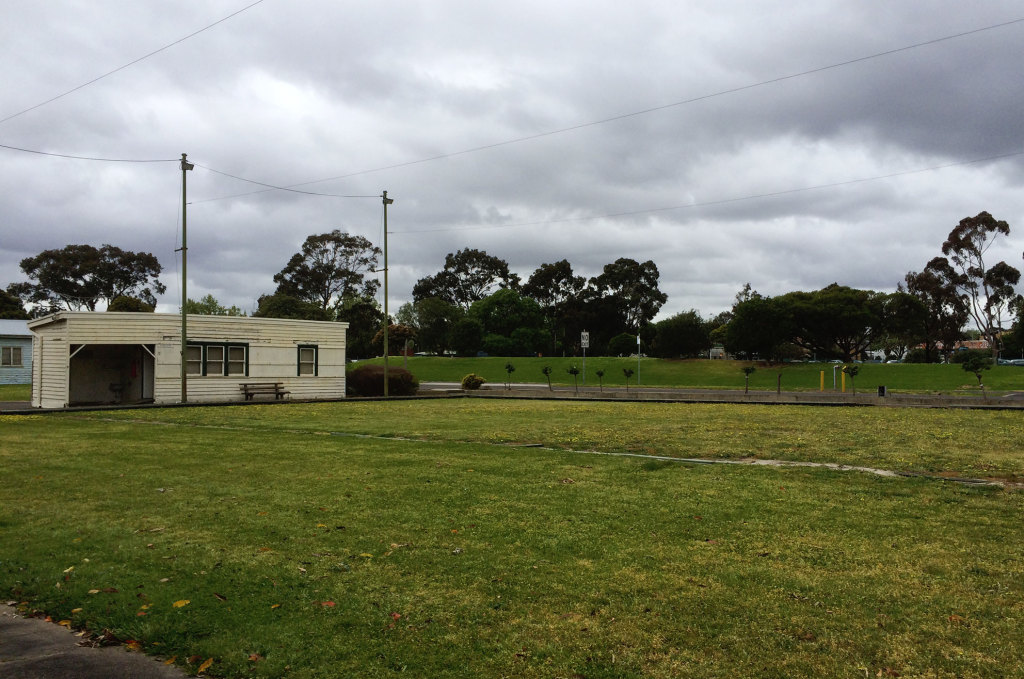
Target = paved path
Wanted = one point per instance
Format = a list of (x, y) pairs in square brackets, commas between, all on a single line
[(31, 648)]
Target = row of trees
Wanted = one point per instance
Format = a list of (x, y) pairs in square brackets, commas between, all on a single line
[(475, 303), (930, 308)]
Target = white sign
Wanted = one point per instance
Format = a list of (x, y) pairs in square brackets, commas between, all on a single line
[(585, 340)]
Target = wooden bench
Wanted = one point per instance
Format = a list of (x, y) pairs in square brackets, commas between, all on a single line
[(250, 389)]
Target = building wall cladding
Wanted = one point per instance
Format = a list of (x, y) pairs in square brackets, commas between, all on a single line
[(272, 347)]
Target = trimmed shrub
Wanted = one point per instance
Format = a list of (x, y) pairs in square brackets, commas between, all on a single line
[(368, 380), (472, 381), (961, 356), (622, 345)]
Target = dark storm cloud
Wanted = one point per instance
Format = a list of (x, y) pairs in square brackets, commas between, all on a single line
[(292, 92)]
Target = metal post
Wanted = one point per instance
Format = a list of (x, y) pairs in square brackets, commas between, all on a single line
[(185, 166), (387, 201)]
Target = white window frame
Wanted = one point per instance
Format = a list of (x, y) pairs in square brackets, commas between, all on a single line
[(7, 357)]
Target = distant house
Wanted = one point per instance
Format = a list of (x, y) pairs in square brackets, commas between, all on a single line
[(109, 357), (15, 352)]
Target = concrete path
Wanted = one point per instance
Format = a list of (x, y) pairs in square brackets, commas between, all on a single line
[(31, 648)]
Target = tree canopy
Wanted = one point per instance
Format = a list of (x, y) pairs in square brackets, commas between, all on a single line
[(945, 309), (286, 306), (330, 266), (834, 322), (209, 306), (468, 276), (12, 308), (130, 304), (989, 291), (681, 336), (78, 277), (633, 288)]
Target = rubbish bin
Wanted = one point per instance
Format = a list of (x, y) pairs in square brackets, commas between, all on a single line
[(881, 390)]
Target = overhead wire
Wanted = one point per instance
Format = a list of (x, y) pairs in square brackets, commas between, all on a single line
[(130, 63), (653, 109), (275, 188), (723, 201), (103, 160)]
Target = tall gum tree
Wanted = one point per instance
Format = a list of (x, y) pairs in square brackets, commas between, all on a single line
[(330, 267), (988, 291)]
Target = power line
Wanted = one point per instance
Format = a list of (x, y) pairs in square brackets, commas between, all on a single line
[(104, 160), (271, 187), (653, 109), (723, 201), (130, 63)]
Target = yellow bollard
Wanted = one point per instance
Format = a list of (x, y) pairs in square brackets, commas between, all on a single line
[(844, 382), (822, 388)]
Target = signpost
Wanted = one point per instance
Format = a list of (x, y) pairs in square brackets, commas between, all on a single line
[(584, 344)]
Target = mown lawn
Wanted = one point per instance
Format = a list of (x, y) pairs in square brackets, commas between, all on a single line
[(655, 372), (252, 537), (939, 441)]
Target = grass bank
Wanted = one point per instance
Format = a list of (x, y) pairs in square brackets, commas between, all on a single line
[(15, 392), (250, 537), (654, 372)]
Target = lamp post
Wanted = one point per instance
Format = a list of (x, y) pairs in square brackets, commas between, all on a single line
[(185, 167)]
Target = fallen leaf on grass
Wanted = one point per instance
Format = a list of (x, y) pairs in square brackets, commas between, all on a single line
[(396, 616), (75, 610), (65, 623), (181, 603), (220, 596), (170, 661), (140, 614), (273, 606), (326, 604), (133, 645), (255, 657), (957, 620), (205, 666)]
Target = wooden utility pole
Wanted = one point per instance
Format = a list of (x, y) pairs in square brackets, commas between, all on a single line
[(387, 201)]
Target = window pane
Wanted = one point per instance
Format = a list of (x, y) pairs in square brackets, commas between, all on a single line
[(5, 357), (307, 361), (214, 360), (15, 355), (236, 360), (194, 360)]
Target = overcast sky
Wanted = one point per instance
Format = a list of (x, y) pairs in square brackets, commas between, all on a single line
[(488, 118)]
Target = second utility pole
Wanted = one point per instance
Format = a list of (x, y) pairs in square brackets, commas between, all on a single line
[(387, 201)]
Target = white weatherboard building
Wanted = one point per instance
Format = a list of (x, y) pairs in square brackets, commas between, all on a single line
[(15, 352), (107, 357)]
